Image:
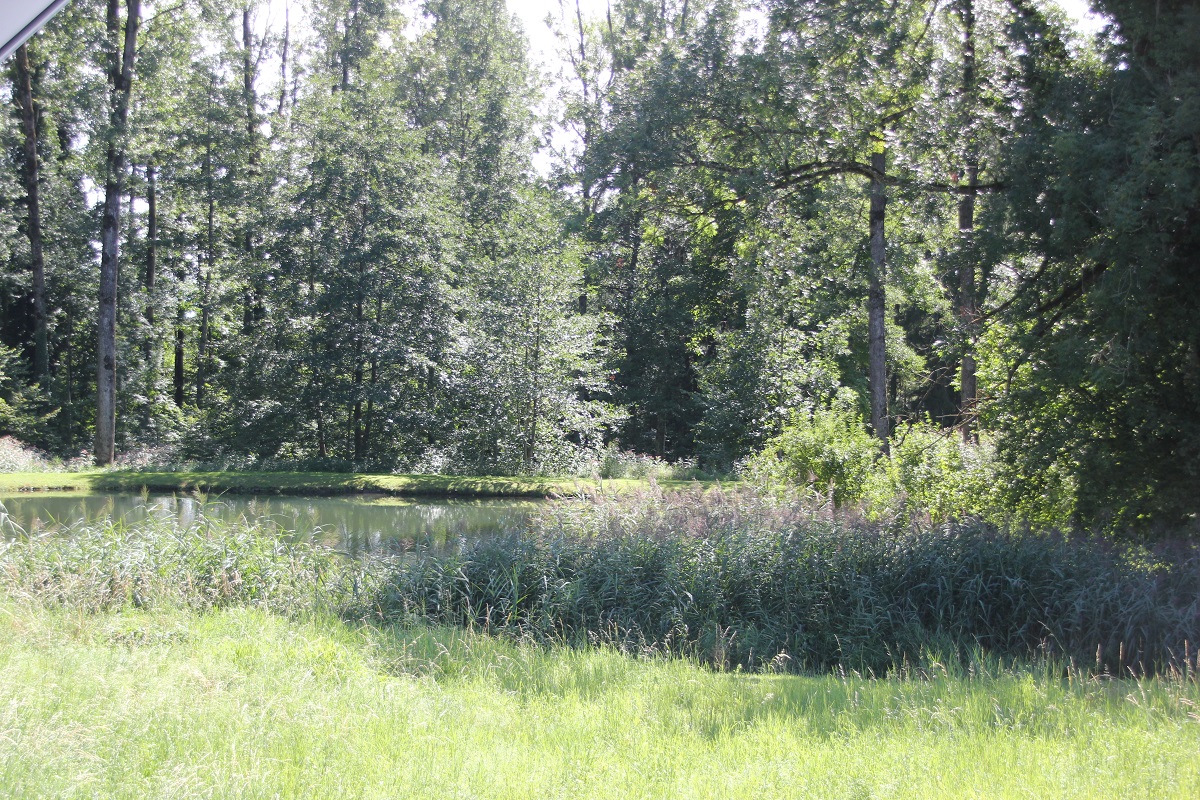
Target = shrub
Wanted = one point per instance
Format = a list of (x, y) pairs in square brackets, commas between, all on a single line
[(934, 473), (16, 456), (828, 449), (616, 463)]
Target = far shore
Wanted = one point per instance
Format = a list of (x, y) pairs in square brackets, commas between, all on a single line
[(321, 483)]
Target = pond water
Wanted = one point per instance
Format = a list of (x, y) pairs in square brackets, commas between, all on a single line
[(355, 524)]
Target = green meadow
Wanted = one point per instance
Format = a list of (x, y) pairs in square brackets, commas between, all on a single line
[(218, 660), (240, 702)]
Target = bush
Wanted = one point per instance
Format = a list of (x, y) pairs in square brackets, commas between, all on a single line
[(16, 456), (828, 449), (933, 473), (616, 463)]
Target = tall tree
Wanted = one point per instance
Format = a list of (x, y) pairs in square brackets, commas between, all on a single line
[(122, 50), (33, 227), (1100, 369)]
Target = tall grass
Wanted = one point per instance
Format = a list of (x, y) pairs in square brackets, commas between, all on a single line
[(733, 579), (740, 580), (204, 565), (242, 703)]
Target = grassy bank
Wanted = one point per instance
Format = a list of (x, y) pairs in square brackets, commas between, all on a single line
[(219, 661), (730, 578), (241, 702), (315, 483)]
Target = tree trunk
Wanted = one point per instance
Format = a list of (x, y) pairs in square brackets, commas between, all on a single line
[(283, 58), (374, 373), (179, 339), (967, 300), (151, 254), (877, 304), (322, 446), (206, 282), (358, 377), (202, 348), (252, 296), (120, 77), (41, 338), (967, 312), (535, 406)]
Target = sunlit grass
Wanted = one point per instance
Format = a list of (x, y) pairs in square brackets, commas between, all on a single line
[(243, 703), (217, 660), (318, 483)]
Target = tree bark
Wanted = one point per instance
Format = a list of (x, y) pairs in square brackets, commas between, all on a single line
[(202, 348), (120, 80), (536, 373), (283, 58), (151, 252), (967, 311), (252, 295), (41, 338), (206, 282), (876, 303), (179, 339), (357, 411), (967, 300)]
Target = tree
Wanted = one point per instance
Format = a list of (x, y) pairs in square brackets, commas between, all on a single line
[(1100, 363), (122, 44), (41, 344)]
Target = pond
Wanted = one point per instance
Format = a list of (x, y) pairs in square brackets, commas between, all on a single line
[(356, 524)]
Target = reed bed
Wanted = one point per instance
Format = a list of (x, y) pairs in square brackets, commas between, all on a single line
[(732, 579), (740, 580), (203, 565)]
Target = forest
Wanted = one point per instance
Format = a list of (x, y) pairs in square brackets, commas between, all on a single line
[(942, 252)]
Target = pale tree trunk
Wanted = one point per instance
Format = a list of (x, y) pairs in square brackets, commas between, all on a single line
[(178, 381), (374, 373), (120, 80), (283, 58), (877, 302), (967, 301), (151, 253), (252, 296), (206, 281), (151, 352), (41, 338), (357, 411), (535, 367), (967, 311)]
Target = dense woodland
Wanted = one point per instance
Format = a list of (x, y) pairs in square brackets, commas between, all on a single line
[(321, 239)]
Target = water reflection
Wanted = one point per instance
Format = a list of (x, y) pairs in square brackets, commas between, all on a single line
[(357, 525)]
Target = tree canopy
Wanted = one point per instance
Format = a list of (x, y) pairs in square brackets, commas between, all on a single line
[(323, 238)]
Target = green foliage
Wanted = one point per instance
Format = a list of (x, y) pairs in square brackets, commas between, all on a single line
[(827, 449), (355, 264), (1103, 394), (934, 472), (17, 400)]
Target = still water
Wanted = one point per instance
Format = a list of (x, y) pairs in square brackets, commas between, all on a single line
[(355, 524)]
